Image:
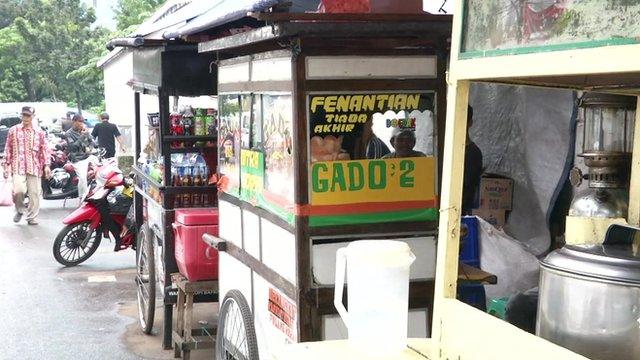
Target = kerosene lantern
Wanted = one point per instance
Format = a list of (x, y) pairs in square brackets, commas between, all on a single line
[(608, 138)]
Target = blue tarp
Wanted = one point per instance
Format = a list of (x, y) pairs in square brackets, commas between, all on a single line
[(205, 14)]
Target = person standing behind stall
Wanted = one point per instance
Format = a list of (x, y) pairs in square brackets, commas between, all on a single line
[(26, 160), (107, 133), (472, 169), (375, 148), (403, 141)]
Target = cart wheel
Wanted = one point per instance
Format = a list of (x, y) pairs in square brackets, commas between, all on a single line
[(236, 338), (146, 279)]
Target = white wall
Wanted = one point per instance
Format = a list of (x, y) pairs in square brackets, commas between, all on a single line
[(118, 95)]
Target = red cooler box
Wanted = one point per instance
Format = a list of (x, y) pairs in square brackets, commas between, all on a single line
[(196, 260)]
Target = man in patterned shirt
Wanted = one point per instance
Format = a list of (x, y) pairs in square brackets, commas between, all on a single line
[(26, 160)]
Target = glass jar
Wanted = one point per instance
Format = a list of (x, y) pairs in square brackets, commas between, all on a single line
[(609, 123)]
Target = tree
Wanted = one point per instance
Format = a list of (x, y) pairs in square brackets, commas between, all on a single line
[(43, 50), (9, 10), (130, 13)]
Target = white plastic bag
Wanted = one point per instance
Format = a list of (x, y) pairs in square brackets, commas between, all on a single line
[(6, 193), (515, 266)]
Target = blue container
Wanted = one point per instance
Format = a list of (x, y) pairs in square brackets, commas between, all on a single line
[(470, 243), (473, 295)]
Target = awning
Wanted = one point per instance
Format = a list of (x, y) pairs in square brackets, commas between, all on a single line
[(177, 18)]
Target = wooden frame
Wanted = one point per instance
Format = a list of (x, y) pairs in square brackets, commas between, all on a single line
[(163, 83), (312, 300), (462, 332)]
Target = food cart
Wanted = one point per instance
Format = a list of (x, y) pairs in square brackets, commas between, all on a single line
[(165, 69), (549, 44), (307, 108)]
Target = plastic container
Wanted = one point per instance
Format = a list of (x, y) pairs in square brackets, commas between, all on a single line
[(345, 6), (378, 294), (196, 260), (373, 6), (498, 307), (470, 245), (474, 295), (396, 7)]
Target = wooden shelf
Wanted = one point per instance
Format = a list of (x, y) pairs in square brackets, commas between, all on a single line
[(209, 189), (190, 149), (172, 138)]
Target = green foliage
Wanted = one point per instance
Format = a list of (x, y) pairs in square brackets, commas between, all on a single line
[(49, 49), (9, 9), (570, 18), (48, 52), (130, 13)]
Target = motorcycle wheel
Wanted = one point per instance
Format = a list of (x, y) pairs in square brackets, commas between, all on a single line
[(76, 243), (146, 279)]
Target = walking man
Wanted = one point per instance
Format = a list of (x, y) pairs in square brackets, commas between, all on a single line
[(106, 132), (26, 160)]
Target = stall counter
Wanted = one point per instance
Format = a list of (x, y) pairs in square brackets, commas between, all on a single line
[(417, 349)]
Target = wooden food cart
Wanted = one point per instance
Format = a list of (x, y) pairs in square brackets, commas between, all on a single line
[(307, 107), (165, 69), (555, 47)]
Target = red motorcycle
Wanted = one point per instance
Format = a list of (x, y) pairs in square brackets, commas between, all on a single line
[(103, 212)]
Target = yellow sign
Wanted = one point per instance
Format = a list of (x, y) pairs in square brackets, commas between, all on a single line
[(252, 174), (367, 181), (332, 114)]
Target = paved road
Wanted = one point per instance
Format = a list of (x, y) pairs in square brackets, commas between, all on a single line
[(52, 312)]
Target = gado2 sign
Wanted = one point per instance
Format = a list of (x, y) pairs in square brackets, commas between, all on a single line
[(372, 155)]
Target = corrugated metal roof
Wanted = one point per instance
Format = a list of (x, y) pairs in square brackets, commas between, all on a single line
[(178, 18), (225, 11)]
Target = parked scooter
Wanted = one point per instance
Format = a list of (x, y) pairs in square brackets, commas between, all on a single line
[(63, 183), (103, 212)]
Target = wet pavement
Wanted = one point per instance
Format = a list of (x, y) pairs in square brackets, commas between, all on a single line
[(84, 312)]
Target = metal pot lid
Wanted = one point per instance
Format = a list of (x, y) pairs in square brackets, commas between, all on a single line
[(606, 262)]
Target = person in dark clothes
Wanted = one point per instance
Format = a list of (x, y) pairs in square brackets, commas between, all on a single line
[(522, 310), (375, 148), (472, 169), (78, 135), (67, 122), (107, 133)]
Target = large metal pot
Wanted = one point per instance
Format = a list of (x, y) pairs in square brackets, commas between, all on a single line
[(590, 300)]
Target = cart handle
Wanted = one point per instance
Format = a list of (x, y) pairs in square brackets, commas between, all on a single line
[(215, 242)]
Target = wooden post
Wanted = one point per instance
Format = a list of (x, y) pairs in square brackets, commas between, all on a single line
[(451, 186), (306, 311), (634, 185), (450, 205), (138, 202)]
